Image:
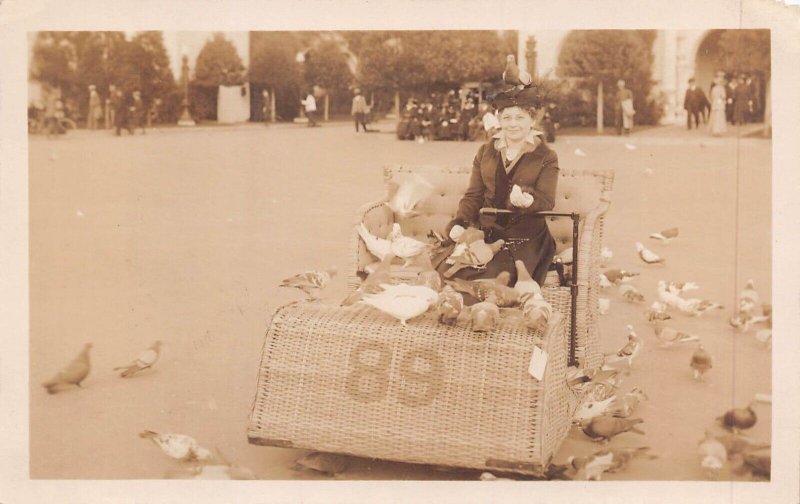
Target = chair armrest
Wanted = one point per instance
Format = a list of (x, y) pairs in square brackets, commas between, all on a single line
[(378, 219)]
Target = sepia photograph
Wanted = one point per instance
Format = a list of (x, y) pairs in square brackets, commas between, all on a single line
[(524, 255), (180, 180)]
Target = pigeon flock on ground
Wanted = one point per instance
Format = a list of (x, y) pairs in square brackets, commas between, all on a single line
[(601, 420), (603, 414), (196, 461)]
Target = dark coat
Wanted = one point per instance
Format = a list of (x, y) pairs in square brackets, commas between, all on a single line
[(695, 100), (536, 172)]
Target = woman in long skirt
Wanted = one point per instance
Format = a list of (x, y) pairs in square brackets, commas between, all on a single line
[(516, 155), (717, 122)]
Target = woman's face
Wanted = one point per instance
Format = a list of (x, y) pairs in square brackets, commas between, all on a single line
[(516, 123)]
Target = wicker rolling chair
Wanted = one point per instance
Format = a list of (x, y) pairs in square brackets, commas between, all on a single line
[(586, 193)]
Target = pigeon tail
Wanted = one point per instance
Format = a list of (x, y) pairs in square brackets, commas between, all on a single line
[(130, 371)]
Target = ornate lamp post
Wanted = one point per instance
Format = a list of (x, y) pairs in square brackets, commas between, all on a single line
[(186, 118)]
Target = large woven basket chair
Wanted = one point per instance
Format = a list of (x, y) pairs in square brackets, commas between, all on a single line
[(352, 380), (585, 192)]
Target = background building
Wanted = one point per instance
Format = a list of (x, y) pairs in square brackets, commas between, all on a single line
[(678, 56)]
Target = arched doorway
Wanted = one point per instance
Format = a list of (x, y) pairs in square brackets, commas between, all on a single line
[(748, 70), (707, 60)]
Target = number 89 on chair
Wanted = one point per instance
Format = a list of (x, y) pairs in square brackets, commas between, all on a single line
[(375, 371)]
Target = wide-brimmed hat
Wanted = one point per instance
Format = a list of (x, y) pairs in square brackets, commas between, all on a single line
[(525, 98)]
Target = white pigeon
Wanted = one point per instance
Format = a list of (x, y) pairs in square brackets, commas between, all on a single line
[(669, 298), (666, 235), (579, 152), (647, 255), (379, 247), (406, 247), (605, 256), (681, 287), (224, 471), (412, 190), (402, 301), (749, 293), (591, 468), (669, 336), (145, 360), (764, 398), (589, 408), (603, 304), (178, 446), (630, 146), (712, 455), (749, 301)]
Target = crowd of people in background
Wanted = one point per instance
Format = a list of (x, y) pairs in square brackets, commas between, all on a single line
[(117, 111), (461, 116), (735, 101)]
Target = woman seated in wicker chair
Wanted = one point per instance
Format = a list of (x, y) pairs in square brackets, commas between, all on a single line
[(516, 156)]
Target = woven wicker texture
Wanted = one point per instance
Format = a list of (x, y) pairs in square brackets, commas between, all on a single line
[(353, 380), (587, 192)]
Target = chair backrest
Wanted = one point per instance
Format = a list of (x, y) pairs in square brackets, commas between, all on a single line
[(581, 191)]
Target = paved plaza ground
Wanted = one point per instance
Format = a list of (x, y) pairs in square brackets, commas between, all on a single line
[(183, 235)]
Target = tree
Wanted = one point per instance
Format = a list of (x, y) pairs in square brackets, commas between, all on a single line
[(423, 60), (155, 75), (746, 51), (273, 66), (326, 66), (598, 58), (72, 61), (217, 64), (55, 60), (384, 63)]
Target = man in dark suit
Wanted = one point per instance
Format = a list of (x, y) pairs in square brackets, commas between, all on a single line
[(741, 100), (695, 104), (121, 112)]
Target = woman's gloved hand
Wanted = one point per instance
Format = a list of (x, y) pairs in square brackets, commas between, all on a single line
[(456, 232), (520, 199), (455, 228)]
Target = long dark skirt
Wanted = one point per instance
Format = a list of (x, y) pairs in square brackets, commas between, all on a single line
[(536, 253)]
